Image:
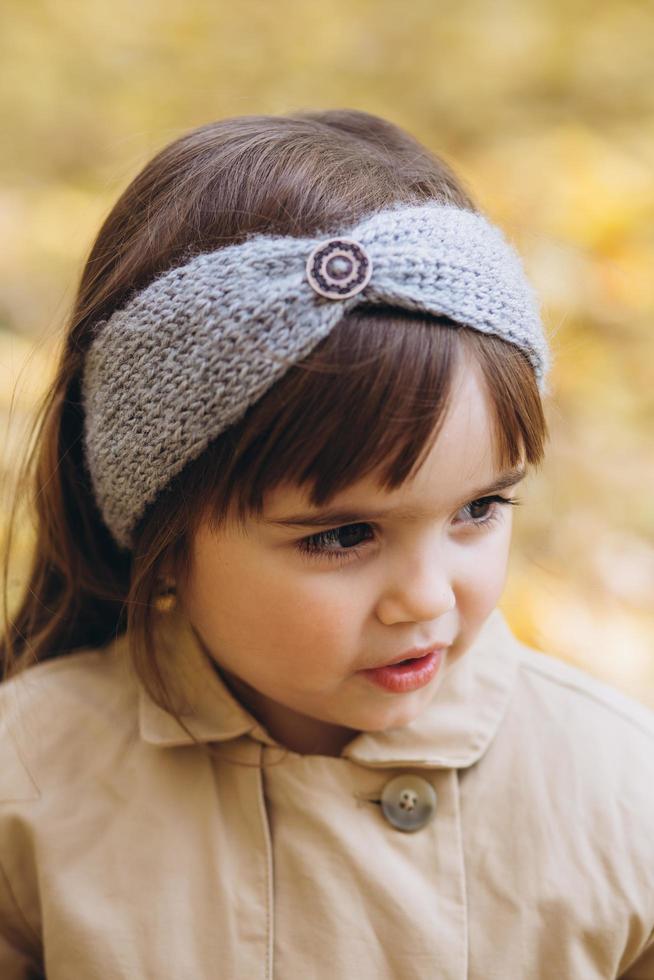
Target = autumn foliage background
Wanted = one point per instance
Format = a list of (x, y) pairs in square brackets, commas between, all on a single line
[(544, 108)]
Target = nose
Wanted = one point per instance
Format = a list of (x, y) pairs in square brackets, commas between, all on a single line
[(419, 591)]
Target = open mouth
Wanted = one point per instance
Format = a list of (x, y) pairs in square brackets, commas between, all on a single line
[(408, 674), (409, 660)]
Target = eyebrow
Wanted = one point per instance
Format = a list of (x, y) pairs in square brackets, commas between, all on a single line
[(334, 517)]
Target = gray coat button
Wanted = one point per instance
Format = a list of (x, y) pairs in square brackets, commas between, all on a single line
[(408, 802)]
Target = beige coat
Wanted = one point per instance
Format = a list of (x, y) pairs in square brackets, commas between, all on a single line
[(127, 852)]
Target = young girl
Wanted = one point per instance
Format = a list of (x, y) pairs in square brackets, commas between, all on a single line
[(261, 715)]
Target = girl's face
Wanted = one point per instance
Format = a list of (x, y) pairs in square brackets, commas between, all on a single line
[(293, 614)]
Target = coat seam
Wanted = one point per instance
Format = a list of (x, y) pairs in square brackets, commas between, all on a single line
[(464, 876), (265, 830), (591, 696)]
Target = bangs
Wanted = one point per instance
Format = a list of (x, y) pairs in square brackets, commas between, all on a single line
[(372, 396)]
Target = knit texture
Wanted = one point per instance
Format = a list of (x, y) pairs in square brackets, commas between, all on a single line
[(186, 356)]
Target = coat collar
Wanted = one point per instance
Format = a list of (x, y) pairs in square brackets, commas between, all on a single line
[(454, 731)]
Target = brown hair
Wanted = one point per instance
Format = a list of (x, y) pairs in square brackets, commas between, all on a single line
[(292, 174)]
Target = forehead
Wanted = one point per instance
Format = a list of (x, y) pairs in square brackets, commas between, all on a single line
[(463, 457)]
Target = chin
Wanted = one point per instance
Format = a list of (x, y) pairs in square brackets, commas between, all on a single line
[(397, 716)]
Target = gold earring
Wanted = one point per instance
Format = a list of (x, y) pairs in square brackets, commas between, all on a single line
[(166, 597)]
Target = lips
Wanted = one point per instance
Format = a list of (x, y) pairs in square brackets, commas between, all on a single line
[(404, 677), (415, 654)]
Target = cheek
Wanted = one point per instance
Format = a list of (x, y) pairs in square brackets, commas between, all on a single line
[(267, 603), (307, 607), (485, 572)]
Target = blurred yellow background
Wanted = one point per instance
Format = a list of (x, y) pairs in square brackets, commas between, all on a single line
[(546, 111)]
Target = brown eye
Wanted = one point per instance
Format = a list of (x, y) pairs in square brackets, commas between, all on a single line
[(479, 509), (338, 542), (477, 519)]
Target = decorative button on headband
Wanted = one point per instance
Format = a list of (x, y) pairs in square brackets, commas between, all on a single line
[(339, 268), (206, 340)]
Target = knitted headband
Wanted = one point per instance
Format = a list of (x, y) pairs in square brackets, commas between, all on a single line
[(186, 356)]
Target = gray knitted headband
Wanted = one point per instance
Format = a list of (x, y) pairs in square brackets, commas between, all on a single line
[(186, 356)]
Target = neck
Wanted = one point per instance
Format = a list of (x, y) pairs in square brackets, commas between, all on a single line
[(297, 732)]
